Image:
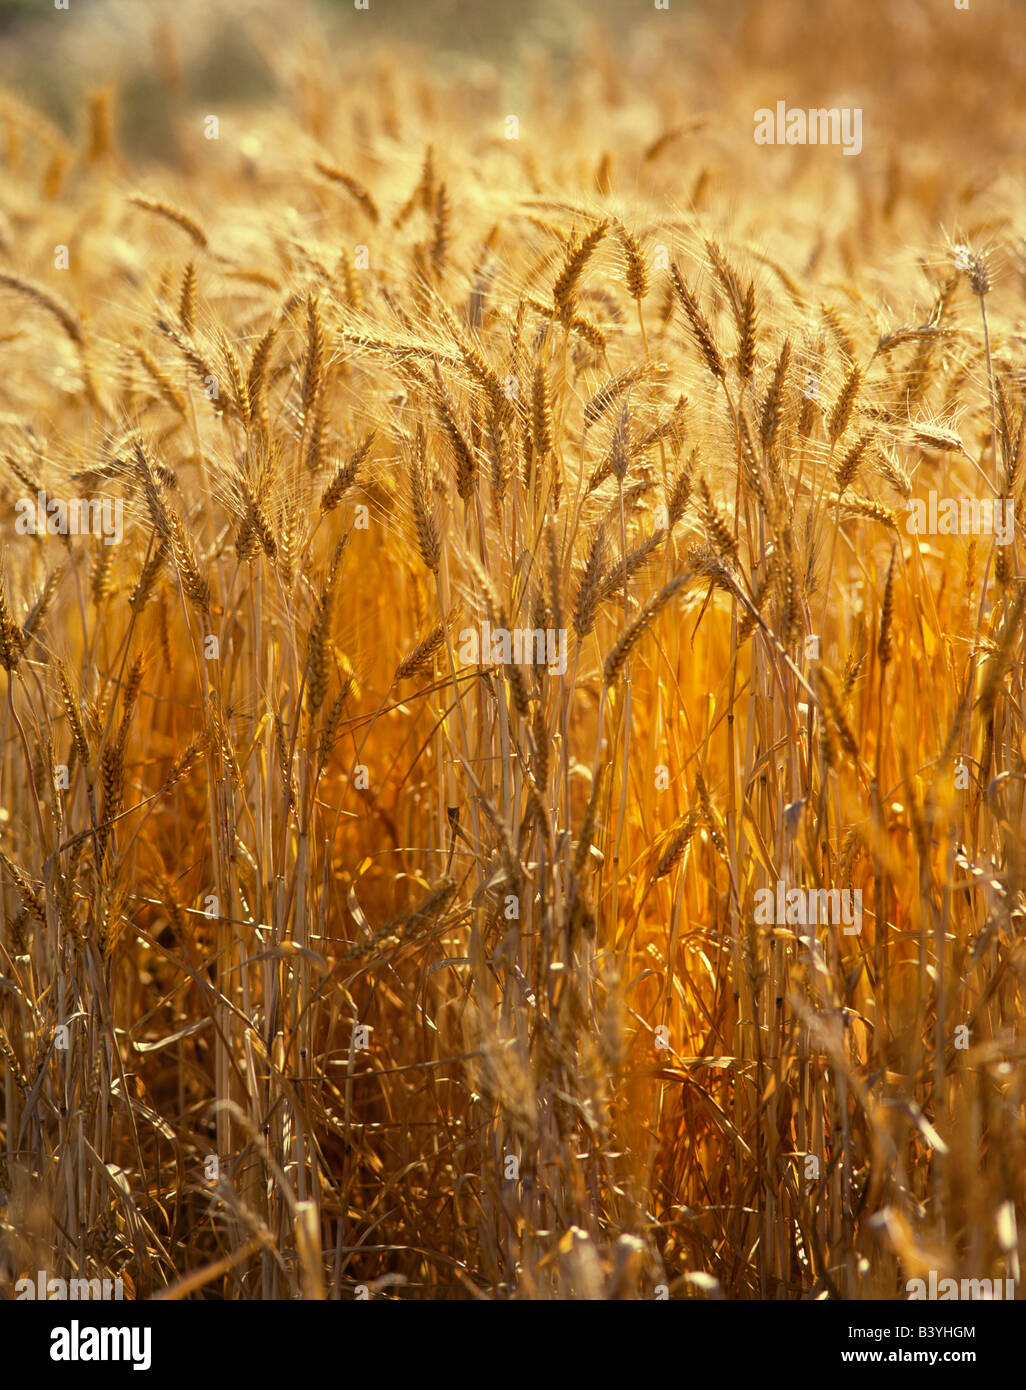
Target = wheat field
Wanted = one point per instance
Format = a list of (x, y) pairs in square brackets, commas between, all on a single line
[(480, 617)]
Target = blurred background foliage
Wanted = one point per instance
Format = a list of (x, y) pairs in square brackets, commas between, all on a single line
[(163, 57), (50, 58)]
